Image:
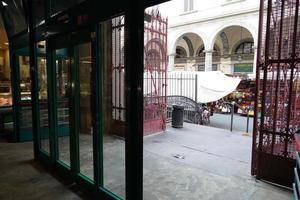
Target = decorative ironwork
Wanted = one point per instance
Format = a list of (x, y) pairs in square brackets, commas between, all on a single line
[(155, 73), (193, 111), (278, 90)]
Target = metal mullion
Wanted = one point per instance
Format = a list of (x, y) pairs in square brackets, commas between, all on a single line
[(16, 92), (52, 106), (97, 99), (37, 96), (75, 115), (34, 83), (134, 62)]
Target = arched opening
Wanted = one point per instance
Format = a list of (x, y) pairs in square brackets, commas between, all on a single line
[(200, 57), (245, 47), (236, 51), (187, 52), (180, 52)]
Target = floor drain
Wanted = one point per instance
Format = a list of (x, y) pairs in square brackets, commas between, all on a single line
[(178, 156)]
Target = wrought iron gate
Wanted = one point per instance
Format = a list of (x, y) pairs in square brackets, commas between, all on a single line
[(155, 73), (278, 89), (155, 68)]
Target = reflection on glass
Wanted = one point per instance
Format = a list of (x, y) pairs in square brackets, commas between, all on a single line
[(39, 11), (5, 82), (25, 83), (43, 99), (25, 105), (59, 5), (114, 108), (85, 133), (62, 98), (14, 14)]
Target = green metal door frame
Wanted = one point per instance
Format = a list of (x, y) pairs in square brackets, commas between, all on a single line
[(16, 91), (96, 38), (15, 77), (93, 11), (73, 170)]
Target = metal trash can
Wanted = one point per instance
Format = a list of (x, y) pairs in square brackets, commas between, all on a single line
[(177, 116)]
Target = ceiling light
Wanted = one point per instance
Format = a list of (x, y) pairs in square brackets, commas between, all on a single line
[(4, 4), (6, 43)]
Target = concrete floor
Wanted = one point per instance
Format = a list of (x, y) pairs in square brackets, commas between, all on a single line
[(213, 164), (192, 163), (223, 121), (23, 178)]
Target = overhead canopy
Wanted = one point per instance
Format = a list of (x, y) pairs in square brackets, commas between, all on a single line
[(211, 86)]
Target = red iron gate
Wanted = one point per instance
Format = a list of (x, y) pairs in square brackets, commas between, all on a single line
[(278, 89), (155, 73), (155, 69)]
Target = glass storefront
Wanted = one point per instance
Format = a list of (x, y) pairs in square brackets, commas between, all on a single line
[(72, 101)]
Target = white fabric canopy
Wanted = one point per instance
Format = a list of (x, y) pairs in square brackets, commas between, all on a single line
[(211, 86)]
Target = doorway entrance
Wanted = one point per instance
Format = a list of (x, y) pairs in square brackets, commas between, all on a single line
[(72, 67)]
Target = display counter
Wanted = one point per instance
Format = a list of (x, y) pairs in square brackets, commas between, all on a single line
[(5, 94), (5, 100)]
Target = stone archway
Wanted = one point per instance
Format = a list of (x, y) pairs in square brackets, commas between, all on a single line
[(231, 61), (186, 57)]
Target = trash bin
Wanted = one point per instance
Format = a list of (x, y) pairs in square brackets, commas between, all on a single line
[(177, 116)]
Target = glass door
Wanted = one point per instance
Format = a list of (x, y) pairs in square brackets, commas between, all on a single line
[(63, 106), (22, 96), (43, 97), (85, 131), (74, 132)]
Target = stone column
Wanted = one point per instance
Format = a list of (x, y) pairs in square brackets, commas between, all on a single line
[(171, 62), (208, 60)]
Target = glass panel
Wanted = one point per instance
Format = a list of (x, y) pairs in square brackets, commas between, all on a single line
[(43, 97), (59, 5), (39, 11), (85, 134), (63, 89), (6, 111), (14, 16), (114, 107), (25, 83), (5, 84), (25, 105)]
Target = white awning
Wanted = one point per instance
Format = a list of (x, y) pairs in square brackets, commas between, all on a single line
[(211, 86)]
